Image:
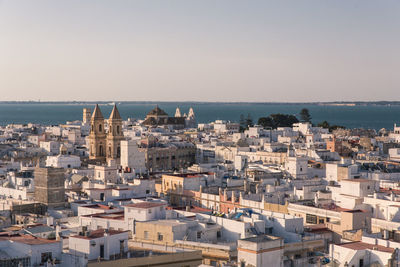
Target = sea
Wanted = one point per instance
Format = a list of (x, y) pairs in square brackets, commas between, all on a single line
[(350, 116)]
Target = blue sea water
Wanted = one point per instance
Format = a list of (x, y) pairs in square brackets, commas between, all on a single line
[(360, 116)]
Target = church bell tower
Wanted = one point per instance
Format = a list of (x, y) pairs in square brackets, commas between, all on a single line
[(97, 136), (114, 135)]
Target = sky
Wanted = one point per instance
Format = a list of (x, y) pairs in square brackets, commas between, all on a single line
[(221, 50)]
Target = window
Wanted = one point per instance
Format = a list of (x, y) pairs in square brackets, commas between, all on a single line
[(46, 256), (160, 237), (311, 219), (219, 234), (146, 235), (149, 211), (198, 235), (100, 128)]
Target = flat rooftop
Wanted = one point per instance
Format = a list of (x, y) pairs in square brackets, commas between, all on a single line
[(145, 205), (98, 233), (363, 246), (261, 238)]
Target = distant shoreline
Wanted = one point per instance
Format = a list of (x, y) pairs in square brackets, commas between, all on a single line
[(333, 103)]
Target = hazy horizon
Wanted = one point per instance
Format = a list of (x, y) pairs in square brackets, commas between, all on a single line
[(200, 51)]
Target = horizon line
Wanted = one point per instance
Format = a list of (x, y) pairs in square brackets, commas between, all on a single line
[(196, 101)]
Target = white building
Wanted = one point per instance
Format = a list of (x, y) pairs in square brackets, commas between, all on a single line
[(261, 250), (367, 252), (131, 157), (63, 161), (107, 174), (29, 250), (51, 147), (144, 211), (394, 154), (297, 167), (100, 243)]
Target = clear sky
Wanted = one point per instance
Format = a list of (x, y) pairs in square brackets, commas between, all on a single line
[(221, 50)]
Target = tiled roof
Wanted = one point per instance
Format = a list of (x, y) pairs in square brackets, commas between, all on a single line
[(157, 111)]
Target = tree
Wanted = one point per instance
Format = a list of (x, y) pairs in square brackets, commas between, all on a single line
[(245, 123), (278, 120), (266, 122), (305, 115), (324, 124), (242, 123), (249, 121)]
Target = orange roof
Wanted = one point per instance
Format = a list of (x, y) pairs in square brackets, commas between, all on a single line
[(27, 239), (362, 246)]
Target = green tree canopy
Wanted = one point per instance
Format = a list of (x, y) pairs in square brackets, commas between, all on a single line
[(305, 115), (278, 120), (326, 125)]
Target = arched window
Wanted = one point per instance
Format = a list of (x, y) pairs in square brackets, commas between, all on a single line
[(100, 128), (101, 152), (109, 151), (117, 129)]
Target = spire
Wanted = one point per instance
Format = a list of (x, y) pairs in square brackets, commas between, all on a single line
[(115, 114), (191, 113), (97, 113), (178, 113)]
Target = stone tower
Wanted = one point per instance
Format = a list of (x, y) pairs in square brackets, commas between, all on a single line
[(97, 136), (114, 135), (49, 186), (86, 115)]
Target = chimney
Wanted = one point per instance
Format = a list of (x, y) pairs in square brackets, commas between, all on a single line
[(258, 189), (106, 245), (58, 232)]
